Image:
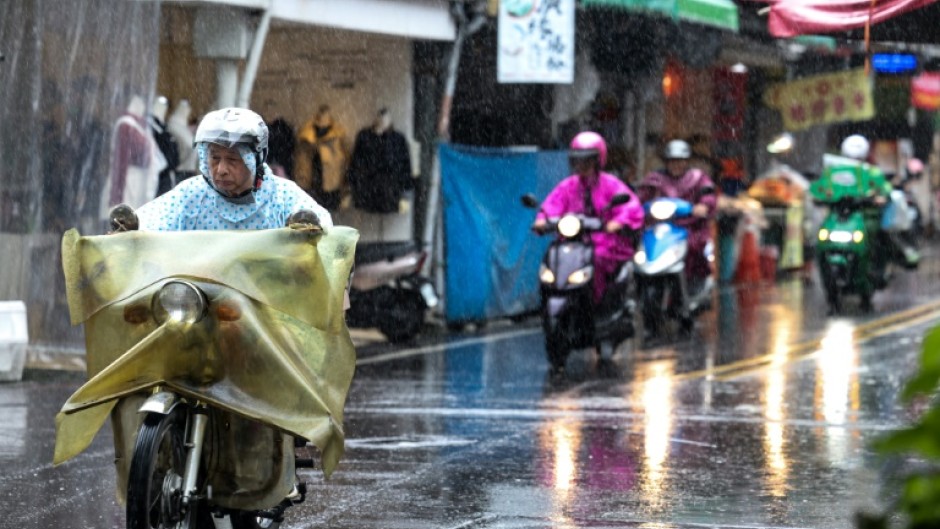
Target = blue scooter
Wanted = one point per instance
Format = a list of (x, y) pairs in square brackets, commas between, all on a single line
[(662, 288)]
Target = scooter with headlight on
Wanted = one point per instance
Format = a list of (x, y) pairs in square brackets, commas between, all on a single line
[(570, 317), (660, 263)]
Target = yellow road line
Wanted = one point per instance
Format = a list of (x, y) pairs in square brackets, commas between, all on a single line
[(809, 348)]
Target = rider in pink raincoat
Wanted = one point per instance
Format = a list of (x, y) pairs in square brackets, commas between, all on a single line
[(587, 156), (677, 180)]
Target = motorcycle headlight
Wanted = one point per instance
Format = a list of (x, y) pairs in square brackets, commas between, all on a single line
[(663, 210), (569, 226), (180, 302), (640, 257), (582, 276), (546, 275), (858, 236), (840, 236), (824, 234)]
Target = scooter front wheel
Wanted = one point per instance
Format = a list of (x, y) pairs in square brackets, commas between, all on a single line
[(155, 481)]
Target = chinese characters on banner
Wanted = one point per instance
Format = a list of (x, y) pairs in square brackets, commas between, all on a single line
[(535, 41), (829, 98)]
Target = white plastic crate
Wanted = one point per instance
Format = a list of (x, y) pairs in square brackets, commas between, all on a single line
[(13, 340)]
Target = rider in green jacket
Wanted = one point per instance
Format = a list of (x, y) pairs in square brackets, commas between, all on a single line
[(850, 175)]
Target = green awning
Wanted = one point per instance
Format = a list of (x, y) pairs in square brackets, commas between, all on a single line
[(721, 14)]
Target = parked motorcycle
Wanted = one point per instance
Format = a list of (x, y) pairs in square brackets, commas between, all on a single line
[(217, 356), (387, 290), (660, 261), (570, 318)]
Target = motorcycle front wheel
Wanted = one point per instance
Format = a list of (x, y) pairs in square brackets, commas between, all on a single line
[(155, 482)]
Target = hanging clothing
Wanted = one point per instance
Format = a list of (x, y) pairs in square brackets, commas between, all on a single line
[(195, 205), (379, 170), (136, 162), (281, 147), (320, 162), (171, 153)]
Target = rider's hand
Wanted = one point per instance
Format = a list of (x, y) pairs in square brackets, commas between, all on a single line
[(613, 227), (880, 200), (304, 219), (700, 210), (539, 226), (122, 218)]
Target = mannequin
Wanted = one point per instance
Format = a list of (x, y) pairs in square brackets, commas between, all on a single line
[(380, 168), (165, 142), (321, 158), (135, 161), (281, 153), (178, 125)]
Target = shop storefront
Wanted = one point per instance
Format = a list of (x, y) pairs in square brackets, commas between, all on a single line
[(352, 57)]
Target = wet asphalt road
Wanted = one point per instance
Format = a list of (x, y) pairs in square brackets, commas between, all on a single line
[(763, 419)]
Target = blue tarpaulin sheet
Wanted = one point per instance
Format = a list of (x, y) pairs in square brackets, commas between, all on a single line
[(492, 257)]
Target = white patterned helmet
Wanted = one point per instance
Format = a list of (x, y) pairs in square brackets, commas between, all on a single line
[(230, 127)]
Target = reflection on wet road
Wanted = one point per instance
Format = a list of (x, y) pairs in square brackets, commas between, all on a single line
[(763, 419)]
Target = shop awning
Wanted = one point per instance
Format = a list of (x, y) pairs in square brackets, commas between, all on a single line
[(789, 18), (721, 14)]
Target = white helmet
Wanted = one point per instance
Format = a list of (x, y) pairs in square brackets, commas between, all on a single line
[(229, 127), (677, 150), (855, 146)]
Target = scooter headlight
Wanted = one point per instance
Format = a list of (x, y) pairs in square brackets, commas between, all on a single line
[(858, 236), (824, 234), (840, 236), (582, 276), (640, 257), (569, 226), (180, 302), (546, 275), (663, 209)]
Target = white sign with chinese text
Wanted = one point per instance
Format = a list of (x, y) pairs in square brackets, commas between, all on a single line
[(536, 41)]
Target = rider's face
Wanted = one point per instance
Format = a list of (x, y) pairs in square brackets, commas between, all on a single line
[(677, 167), (229, 172), (583, 166)]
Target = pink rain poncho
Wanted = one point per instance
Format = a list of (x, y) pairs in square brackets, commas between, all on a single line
[(689, 187), (609, 249)]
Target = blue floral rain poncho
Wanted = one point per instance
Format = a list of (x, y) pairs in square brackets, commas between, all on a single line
[(195, 205)]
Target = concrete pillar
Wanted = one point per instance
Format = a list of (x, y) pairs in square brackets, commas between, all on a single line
[(226, 82)]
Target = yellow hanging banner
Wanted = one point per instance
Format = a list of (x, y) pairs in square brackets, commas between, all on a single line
[(828, 98)]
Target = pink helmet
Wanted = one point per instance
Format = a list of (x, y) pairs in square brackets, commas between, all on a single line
[(591, 143)]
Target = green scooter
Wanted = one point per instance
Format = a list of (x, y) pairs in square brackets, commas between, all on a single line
[(844, 251)]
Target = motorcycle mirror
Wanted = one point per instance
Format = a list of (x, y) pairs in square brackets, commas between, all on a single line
[(529, 201)]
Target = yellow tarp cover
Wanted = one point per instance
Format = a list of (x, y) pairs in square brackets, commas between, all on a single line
[(273, 347)]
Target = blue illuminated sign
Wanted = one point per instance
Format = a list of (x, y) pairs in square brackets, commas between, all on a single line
[(894, 62)]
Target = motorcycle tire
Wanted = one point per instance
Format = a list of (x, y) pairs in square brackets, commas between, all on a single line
[(654, 316), (833, 296), (557, 350), (248, 520), (154, 484), (404, 318)]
